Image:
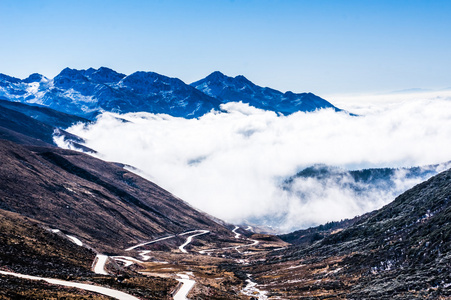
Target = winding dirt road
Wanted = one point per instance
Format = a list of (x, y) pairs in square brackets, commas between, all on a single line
[(190, 238), (99, 266), (187, 285), (88, 287)]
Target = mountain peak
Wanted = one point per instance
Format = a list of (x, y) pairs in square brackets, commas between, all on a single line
[(35, 77), (105, 70), (242, 79), (106, 75), (71, 73), (141, 78), (216, 75)]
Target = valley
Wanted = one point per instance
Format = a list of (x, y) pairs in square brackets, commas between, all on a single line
[(74, 226), (205, 272)]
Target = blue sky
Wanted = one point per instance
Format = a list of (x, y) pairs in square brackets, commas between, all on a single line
[(326, 47)]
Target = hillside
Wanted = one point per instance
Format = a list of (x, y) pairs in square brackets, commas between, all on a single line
[(401, 251), (60, 208), (27, 125), (27, 248), (103, 204), (45, 115)]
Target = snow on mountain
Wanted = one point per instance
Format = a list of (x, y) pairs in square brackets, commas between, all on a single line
[(239, 88), (88, 92)]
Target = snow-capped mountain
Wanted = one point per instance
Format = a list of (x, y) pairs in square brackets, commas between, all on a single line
[(87, 93), (234, 89)]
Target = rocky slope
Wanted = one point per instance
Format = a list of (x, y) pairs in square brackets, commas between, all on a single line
[(30, 125), (43, 114), (360, 182), (27, 248), (103, 204), (53, 200), (401, 251)]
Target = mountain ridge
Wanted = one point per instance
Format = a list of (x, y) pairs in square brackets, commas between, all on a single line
[(89, 92), (239, 88)]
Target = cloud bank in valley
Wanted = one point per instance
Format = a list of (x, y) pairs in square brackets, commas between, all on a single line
[(231, 164)]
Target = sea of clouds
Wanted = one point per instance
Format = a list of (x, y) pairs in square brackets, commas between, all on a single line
[(231, 164)]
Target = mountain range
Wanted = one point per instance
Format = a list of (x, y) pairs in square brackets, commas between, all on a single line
[(86, 93), (239, 88)]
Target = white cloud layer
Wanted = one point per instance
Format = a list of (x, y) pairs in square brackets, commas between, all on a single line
[(231, 164)]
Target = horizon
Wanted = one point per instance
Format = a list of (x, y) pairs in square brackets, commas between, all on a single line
[(323, 47)]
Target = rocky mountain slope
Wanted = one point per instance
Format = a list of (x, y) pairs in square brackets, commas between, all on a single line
[(44, 114), (401, 251), (27, 248), (59, 208), (106, 206), (87, 93), (239, 88), (306, 237), (101, 203), (31, 125)]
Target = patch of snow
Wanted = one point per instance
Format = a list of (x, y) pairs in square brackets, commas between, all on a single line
[(76, 96), (206, 89), (334, 271), (295, 267), (127, 258), (32, 88), (278, 249), (75, 240)]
